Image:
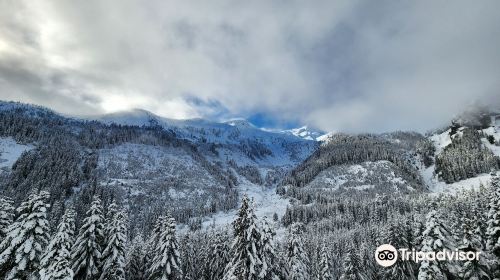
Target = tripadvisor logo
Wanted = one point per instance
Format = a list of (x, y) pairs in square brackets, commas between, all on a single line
[(386, 255)]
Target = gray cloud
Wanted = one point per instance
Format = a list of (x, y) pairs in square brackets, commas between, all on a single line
[(337, 65)]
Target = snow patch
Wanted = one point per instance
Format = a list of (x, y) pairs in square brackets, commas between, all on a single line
[(305, 133), (364, 187), (492, 131), (441, 140), (10, 151), (266, 203), (437, 186), (325, 138)]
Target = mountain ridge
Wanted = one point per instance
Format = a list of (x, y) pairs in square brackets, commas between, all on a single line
[(143, 117)]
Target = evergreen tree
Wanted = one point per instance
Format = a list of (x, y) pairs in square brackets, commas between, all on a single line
[(56, 262), (270, 269), (324, 265), (218, 256), (113, 255), (190, 253), (352, 266), (136, 261), (365, 252), (472, 269), (6, 215), (297, 258), (436, 237), (398, 235), (109, 219), (493, 222), (158, 228), (86, 253), (166, 259), (150, 245), (22, 248), (246, 249), (479, 214)]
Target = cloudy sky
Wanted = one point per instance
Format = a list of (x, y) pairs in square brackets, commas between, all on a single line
[(337, 65)]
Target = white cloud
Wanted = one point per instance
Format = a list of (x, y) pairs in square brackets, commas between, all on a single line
[(339, 65)]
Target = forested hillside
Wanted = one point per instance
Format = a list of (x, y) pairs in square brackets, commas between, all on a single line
[(150, 168)]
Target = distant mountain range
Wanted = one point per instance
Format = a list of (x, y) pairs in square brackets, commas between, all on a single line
[(140, 117)]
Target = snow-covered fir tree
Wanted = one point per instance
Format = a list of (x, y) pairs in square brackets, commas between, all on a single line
[(158, 228), (109, 219), (190, 253), (246, 250), (113, 255), (297, 258), (324, 265), (218, 255), (150, 245), (352, 266), (195, 254), (493, 219), (436, 237), (398, 234), (365, 253), (166, 258), (270, 269), (136, 262), (478, 216), (56, 262), (472, 269), (6, 215), (86, 253), (22, 248)]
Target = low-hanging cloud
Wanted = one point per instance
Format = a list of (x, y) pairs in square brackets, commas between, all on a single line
[(338, 65)]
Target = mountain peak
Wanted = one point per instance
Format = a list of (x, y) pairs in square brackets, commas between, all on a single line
[(239, 122), (133, 116)]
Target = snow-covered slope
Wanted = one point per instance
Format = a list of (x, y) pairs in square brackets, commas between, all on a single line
[(266, 201), (236, 140), (493, 131), (441, 141), (10, 151), (379, 163), (158, 173), (136, 117), (305, 133), (381, 175)]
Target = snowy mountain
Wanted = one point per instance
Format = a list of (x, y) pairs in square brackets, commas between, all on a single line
[(236, 141), (145, 159), (196, 129)]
